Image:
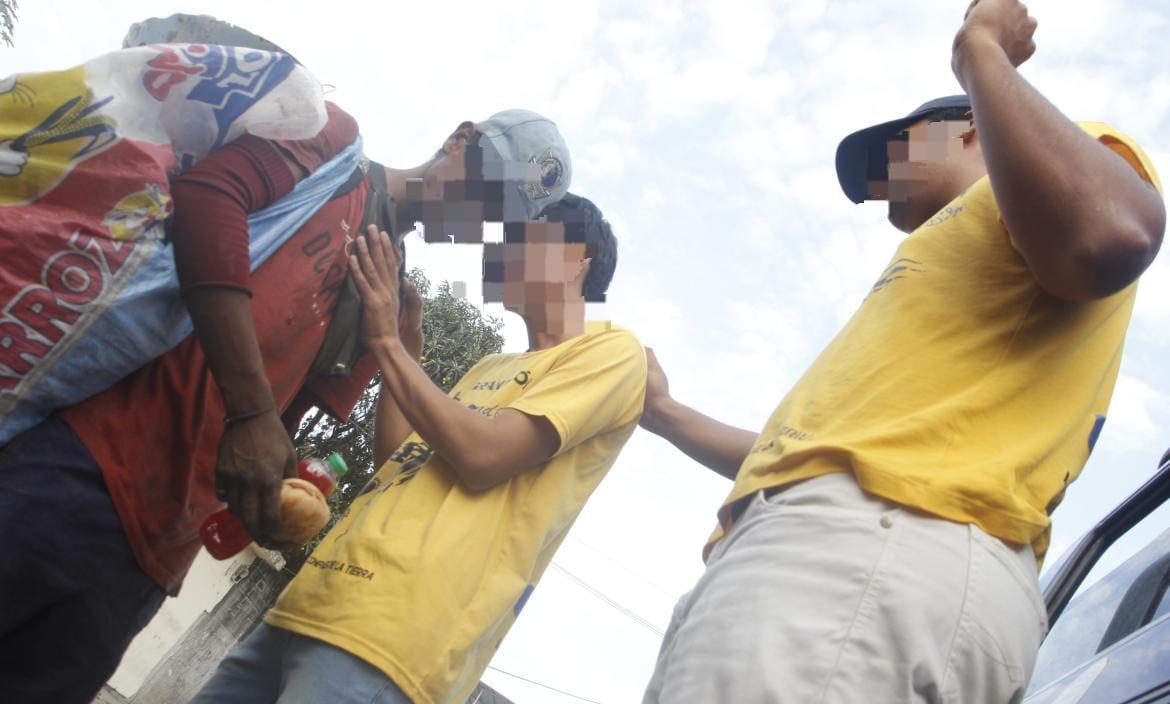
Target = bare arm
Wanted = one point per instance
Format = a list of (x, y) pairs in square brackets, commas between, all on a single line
[(255, 454), (483, 451), (210, 236), (1082, 218), (391, 427), (720, 447)]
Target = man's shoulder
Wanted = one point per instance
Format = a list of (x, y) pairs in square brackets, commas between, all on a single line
[(603, 345), (339, 132), (611, 336), (340, 127), (603, 341), (1124, 146)]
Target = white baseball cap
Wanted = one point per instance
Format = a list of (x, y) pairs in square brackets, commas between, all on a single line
[(531, 158)]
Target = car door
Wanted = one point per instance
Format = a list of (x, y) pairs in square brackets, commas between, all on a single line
[(1112, 644), (1109, 640)]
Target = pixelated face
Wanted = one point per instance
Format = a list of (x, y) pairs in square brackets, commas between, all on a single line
[(468, 184), (452, 195), (921, 158), (915, 154), (533, 266)]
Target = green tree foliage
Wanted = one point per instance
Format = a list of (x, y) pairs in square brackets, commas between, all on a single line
[(7, 20), (456, 335)]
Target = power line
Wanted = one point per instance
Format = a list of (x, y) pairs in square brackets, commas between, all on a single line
[(629, 613), (541, 684), (623, 567)]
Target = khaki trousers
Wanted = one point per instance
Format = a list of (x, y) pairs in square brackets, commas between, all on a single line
[(823, 593)]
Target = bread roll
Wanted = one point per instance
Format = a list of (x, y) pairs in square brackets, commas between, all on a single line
[(303, 512)]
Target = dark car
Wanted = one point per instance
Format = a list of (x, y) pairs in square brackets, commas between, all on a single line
[(1110, 642)]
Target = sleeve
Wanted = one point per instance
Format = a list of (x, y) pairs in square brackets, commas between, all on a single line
[(214, 198), (1124, 146), (212, 202), (595, 387)]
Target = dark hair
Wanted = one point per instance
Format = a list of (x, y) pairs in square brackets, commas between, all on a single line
[(585, 223)]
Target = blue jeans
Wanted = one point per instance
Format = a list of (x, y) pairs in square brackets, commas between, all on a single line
[(72, 595), (275, 666)]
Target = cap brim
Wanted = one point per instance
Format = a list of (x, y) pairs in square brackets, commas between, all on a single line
[(862, 157)]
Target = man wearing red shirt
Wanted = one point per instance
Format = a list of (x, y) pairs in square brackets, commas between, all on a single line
[(101, 504)]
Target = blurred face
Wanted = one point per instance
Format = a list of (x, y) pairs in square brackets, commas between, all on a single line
[(453, 197), (924, 162), (533, 267)]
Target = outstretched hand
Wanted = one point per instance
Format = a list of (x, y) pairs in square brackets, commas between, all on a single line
[(375, 273), (1002, 23)]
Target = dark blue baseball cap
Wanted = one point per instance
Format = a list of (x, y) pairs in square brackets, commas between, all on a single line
[(862, 156)]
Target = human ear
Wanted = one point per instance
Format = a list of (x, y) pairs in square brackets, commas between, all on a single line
[(582, 271), (969, 135)]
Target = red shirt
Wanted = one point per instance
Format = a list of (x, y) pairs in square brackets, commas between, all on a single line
[(155, 434)]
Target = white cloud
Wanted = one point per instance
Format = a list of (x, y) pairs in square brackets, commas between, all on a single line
[(706, 132), (741, 31), (1152, 309), (1132, 414)]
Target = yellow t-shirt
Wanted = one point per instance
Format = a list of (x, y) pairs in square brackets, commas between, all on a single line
[(959, 387), (423, 578)]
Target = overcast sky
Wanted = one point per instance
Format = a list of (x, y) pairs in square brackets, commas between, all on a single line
[(706, 133)]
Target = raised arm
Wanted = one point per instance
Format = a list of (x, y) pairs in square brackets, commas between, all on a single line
[(715, 445), (483, 451), (391, 427), (1086, 223)]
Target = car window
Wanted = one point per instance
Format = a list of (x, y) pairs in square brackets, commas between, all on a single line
[(1109, 609), (1163, 608), (1139, 603)]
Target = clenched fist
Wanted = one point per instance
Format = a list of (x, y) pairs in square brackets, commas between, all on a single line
[(994, 23)]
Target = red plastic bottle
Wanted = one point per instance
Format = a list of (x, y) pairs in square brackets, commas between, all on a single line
[(322, 474), (224, 534)]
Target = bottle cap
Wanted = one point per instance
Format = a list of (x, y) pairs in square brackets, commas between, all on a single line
[(337, 462)]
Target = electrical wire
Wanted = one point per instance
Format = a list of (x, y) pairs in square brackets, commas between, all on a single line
[(541, 684), (619, 565), (629, 613)]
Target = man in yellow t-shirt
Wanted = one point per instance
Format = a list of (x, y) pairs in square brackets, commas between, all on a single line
[(409, 595), (881, 541)]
